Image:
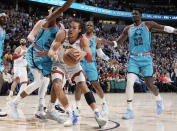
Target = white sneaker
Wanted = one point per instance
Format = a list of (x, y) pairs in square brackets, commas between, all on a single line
[(13, 112), (40, 113), (54, 115), (77, 112), (71, 120), (100, 120), (2, 114)]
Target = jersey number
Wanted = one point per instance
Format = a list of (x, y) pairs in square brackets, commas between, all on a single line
[(138, 41)]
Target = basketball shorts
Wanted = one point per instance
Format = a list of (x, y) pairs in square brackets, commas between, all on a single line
[(90, 70), (141, 64), (21, 74), (75, 73), (43, 64)]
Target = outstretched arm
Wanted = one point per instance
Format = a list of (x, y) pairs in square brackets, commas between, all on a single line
[(121, 38), (102, 55), (153, 25), (50, 19)]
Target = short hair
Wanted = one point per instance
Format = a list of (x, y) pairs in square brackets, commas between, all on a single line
[(91, 22), (138, 9), (81, 24)]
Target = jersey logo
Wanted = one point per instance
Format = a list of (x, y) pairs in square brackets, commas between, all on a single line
[(138, 40), (67, 47)]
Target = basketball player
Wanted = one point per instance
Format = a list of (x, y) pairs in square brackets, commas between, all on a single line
[(2, 38), (20, 68), (90, 68), (32, 35), (66, 40), (140, 59), (40, 67)]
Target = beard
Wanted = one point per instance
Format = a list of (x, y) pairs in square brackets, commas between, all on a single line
[(23, 44), (59, 19)]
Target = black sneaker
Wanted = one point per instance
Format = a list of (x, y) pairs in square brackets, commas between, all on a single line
[(57, 107)]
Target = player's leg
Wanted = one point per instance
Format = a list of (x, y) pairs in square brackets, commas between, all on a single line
[(147, 72), (41, 97), (13, 86), (133, 69), (12, 105), (80, 81), (2, 114), (58, 78), (77, 94)]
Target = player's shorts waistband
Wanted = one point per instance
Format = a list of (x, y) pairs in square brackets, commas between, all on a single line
[(141, 54)]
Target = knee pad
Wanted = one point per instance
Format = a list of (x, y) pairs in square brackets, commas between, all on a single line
[(89, 98)]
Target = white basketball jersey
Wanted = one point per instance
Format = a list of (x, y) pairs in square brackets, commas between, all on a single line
[(66, 45), (21, 61)]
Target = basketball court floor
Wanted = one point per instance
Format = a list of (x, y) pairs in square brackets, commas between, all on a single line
[(144, 109)]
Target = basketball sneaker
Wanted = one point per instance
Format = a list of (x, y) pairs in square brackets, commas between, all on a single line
[(159, 107), (104, 109), (128, 115), (100, 120), (40, 113), (71, 120), (2, 114), (57, 107), (54, 115), (13, 112), (77, 112)]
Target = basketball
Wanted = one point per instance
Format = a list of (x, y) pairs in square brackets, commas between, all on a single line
[(69, 58)]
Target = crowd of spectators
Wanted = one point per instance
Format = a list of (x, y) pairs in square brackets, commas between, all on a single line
[(19, 24), (128, 5)]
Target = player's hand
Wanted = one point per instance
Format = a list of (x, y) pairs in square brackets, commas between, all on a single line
[(79, 54), (113, 61), (40, 53), (53, 54)]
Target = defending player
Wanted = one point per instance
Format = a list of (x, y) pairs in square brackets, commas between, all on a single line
[(40, 67), (140, 59)]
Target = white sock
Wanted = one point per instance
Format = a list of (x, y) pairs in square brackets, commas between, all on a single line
[(103, 101), (96, 110), (77, 104), (68, 109), (11, 93), (51, 106), (56, 102), (158, 97), (130, 105)]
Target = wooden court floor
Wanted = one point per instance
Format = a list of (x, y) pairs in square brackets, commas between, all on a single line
[(144, 109)]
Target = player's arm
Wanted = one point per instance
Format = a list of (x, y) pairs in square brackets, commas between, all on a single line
[(50, 19), (121, 38), (16, 54), (35, 31), (54, 49), (102, 55), (153, 25), (87, 54)]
